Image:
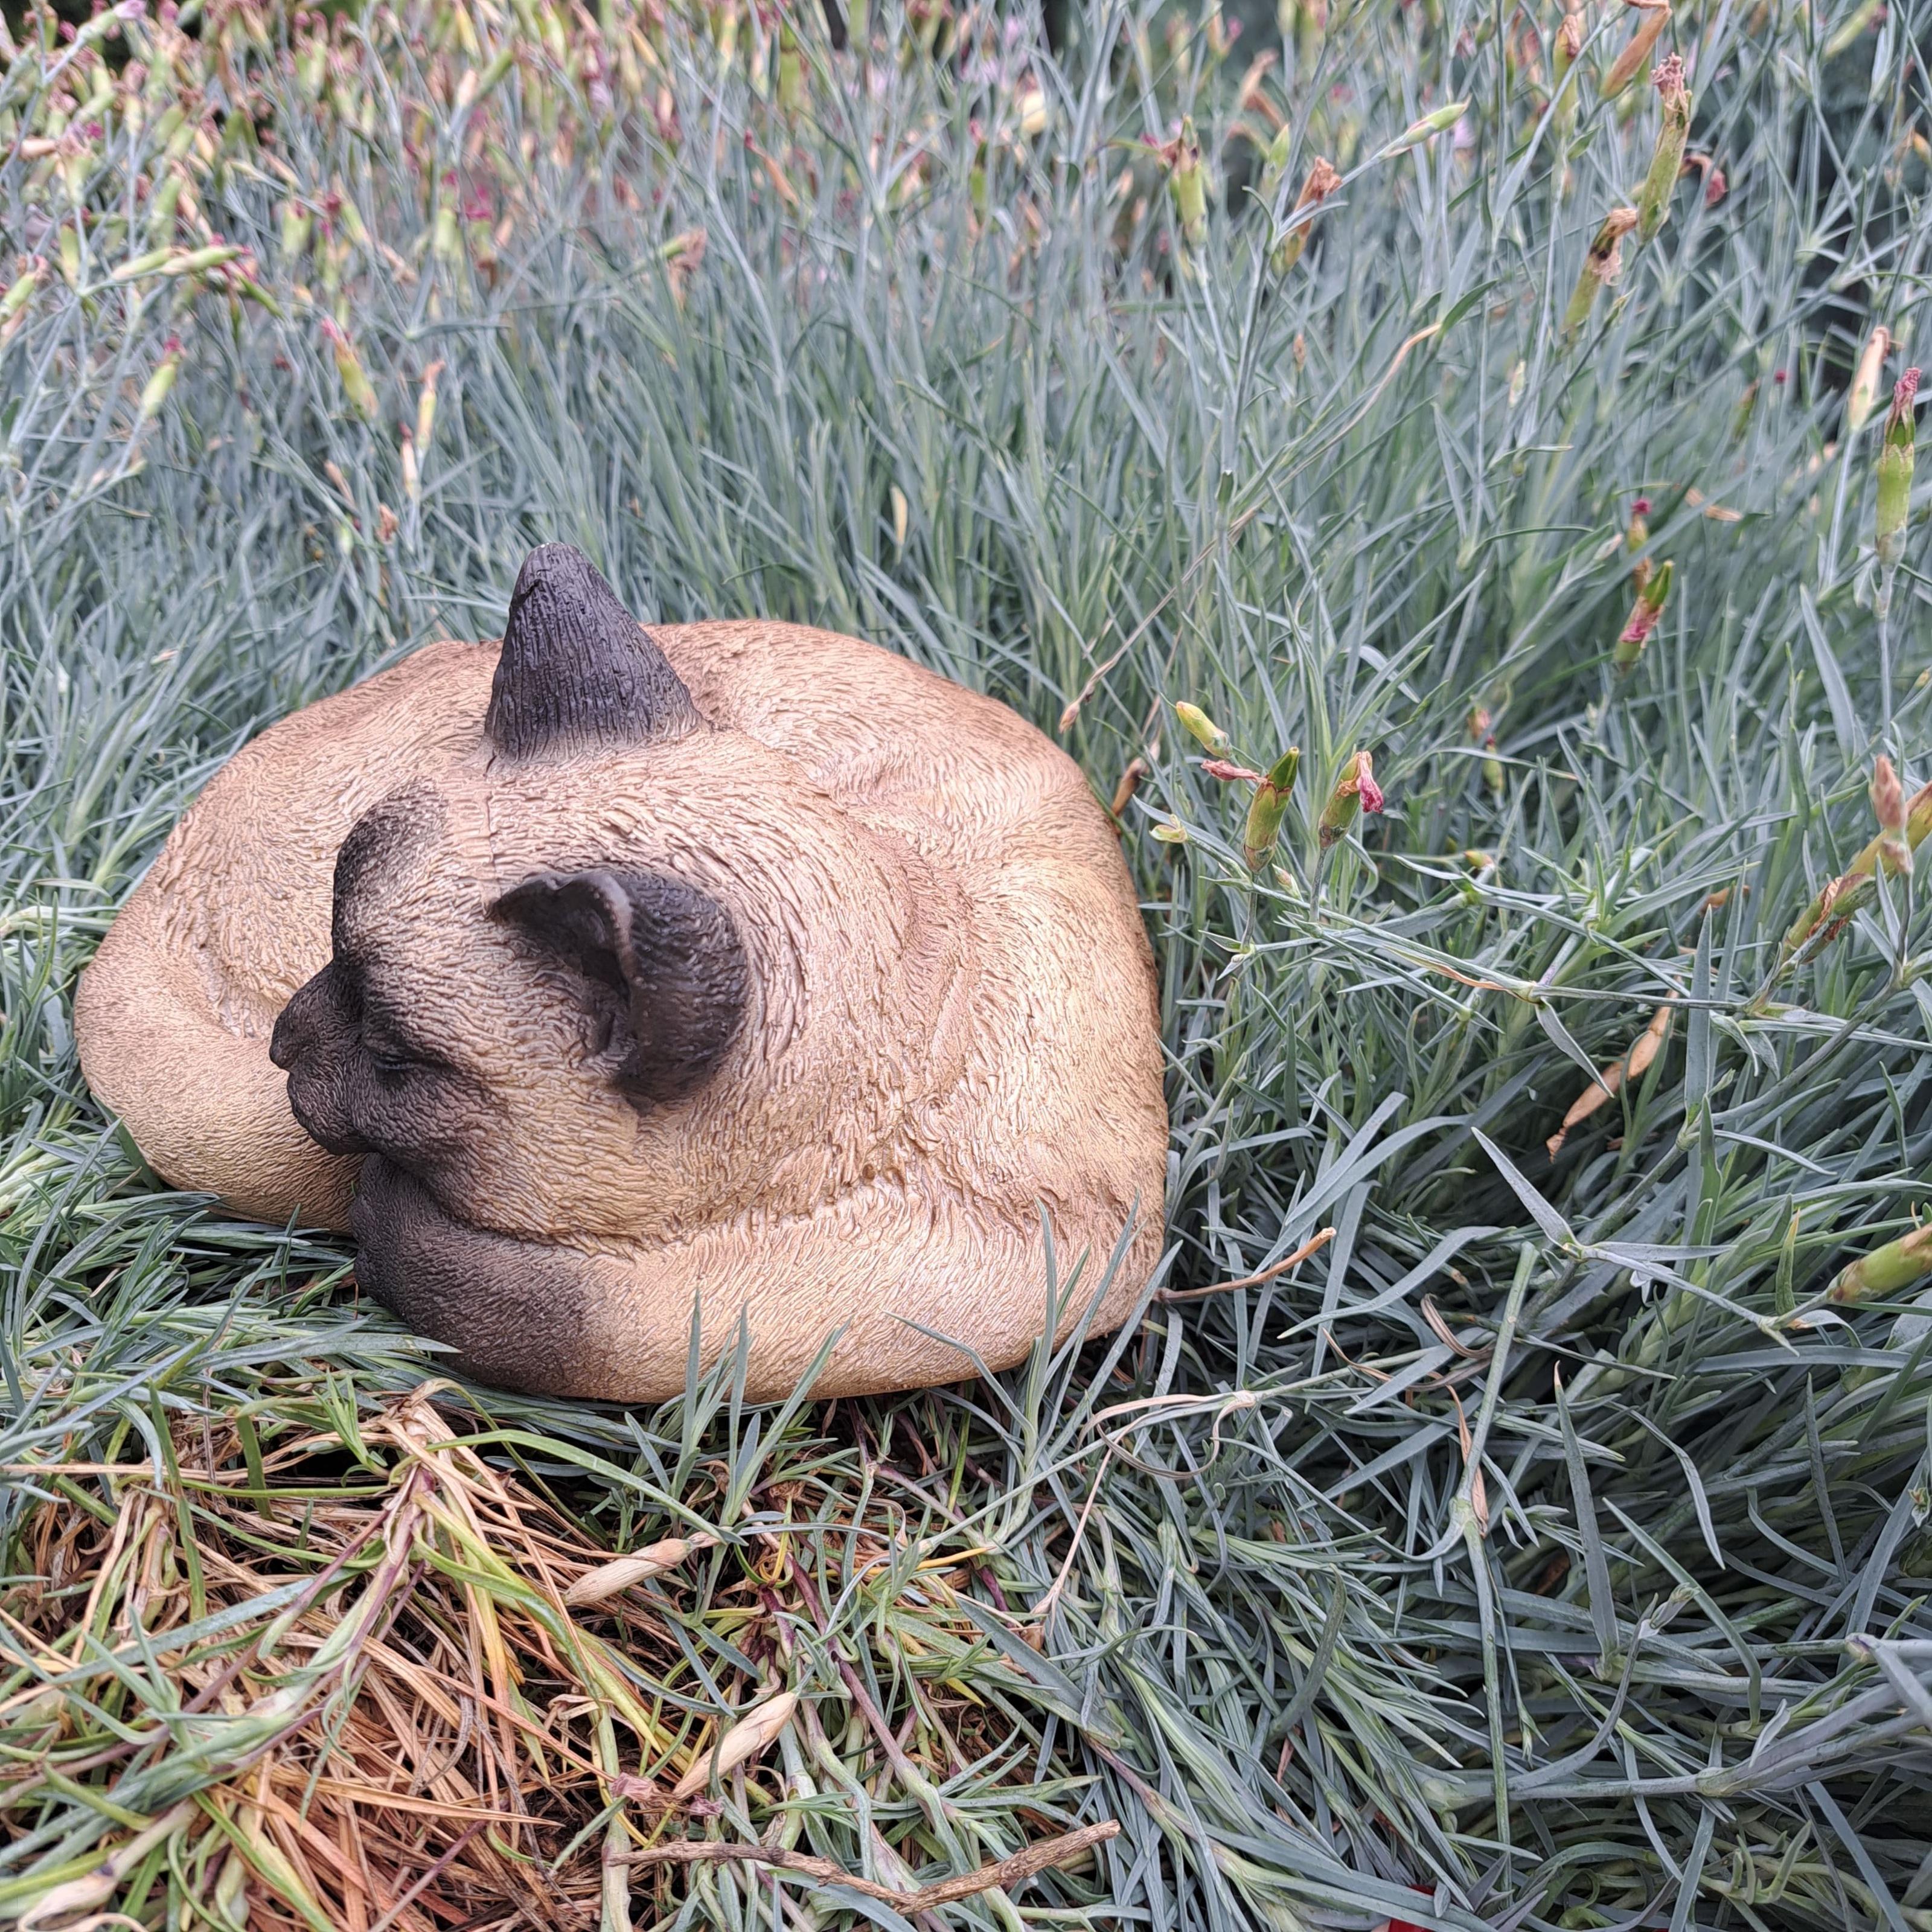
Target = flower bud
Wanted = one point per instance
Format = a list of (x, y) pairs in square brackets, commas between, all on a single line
[(1890, 851), (1443, 119), (1266, 810), (14, 303), (1637, 534), (1274, 162), (1888, 798), (199, 261), (1493, 768), (150, 263), (1643, 616), (1862, 397), (1666, 160), (445, 241), (1568, 43), (1355, 791), (356, 383), (296, 222), (1886, 1271), (155, 391), (1206, 732), (1636, 55), (426, 408), (1895, 458)]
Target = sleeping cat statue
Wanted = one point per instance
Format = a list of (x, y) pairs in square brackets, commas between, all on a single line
[(605, 972)]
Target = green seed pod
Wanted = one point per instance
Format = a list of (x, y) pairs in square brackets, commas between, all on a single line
[(1895, 459), (1265, 811), (1600, 265), (1666, 160), (1841, 897)]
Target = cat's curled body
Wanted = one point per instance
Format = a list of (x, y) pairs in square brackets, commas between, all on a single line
[(603, 971)]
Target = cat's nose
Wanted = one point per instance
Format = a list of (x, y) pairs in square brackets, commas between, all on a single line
[(297, 1033), (313, 1042)]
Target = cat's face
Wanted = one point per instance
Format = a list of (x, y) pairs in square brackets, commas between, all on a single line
[(503, 1045), (490, 1034)]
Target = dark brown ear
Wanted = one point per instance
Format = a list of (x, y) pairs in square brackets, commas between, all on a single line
[(656, 964), (577, 671)]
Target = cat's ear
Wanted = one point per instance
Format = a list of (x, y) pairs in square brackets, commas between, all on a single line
[(656, 964)]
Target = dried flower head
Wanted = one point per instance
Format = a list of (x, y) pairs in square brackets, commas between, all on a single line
[(1322, 181), (1903, 397), (1355, 791), (1642, 622)]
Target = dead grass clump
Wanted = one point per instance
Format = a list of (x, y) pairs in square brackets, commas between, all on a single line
[(350, 1647), (328, 1676)]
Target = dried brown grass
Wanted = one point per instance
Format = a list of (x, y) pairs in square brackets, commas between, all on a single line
[(395, 1723)]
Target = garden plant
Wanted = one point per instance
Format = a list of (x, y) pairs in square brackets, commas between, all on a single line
[(1446, 473)]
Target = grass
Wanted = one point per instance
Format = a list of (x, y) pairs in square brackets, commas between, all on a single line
[(1545, 1550)]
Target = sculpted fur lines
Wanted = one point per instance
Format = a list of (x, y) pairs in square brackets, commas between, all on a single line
[(604, 971)]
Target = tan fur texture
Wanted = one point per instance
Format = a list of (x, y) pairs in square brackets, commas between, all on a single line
[(951, 1021)]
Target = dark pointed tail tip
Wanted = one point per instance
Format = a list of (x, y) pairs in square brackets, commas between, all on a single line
[(558, 567), (576, 670)]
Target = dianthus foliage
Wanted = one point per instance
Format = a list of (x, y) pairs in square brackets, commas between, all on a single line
[(1505, 408)]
